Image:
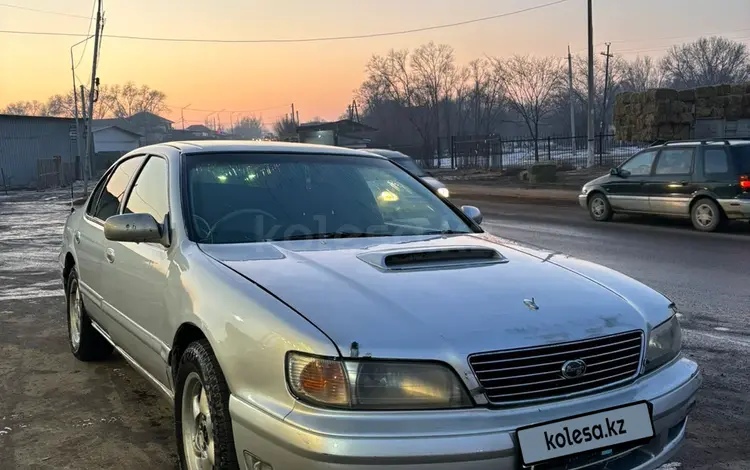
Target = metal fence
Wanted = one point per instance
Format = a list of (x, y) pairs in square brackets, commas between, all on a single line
[(507, 153)]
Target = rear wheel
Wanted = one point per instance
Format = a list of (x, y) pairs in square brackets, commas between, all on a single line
[(706, 215), (86, 343), (599, 208)]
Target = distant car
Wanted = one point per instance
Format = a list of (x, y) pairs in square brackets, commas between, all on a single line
[(410, 165), (707, 181), (310, 307)]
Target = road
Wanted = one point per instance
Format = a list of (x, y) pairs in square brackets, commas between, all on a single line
[(58, 413)]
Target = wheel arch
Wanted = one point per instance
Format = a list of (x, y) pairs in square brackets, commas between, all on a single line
[(186, 334), (705, 195), (594, 192), (70, 263)]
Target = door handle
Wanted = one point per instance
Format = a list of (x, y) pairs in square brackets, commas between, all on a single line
[(77, 237), (110, 255)]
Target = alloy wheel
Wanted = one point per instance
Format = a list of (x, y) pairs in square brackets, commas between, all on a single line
[(197, 427), (75, 307)]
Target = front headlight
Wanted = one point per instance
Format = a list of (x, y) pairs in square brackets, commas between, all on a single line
[(664, 344), (373, 384), (444, 192)]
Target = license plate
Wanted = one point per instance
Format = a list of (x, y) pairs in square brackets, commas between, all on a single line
[(592, 431)]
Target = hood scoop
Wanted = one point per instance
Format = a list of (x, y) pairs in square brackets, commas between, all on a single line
[(433, 258)]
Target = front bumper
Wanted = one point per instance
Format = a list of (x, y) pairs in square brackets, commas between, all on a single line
[(475, 439), (583, 201)]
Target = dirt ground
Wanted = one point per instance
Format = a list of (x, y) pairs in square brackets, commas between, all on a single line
[(58, 413)]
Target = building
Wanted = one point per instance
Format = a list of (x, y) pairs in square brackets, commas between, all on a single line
[(110, 143), (199, 131), (37, 151), (152, 127), (343, 133)]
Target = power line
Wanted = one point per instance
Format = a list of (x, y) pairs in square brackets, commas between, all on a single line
[(692, 37), (88, 33), (300, 40), (43, 11), (232, 111)]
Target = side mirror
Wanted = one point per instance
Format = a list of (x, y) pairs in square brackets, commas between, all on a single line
[(473, 213), (135, 228)]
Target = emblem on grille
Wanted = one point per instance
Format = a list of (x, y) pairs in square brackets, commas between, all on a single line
[(531, 304), (573, 369)]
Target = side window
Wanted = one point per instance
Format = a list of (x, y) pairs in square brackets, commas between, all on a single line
[(149, 194), (640, 165), (95, 195), (715, 161), (675, 162), (114, 191)]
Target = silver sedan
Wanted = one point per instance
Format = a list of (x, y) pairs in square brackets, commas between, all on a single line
[(310, 307)]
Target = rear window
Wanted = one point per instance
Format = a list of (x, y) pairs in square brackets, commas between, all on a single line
[(742, 158)]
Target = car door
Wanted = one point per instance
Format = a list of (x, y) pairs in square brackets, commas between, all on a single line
[(627, 192), (673, 184), (89, 238), (136, 275)]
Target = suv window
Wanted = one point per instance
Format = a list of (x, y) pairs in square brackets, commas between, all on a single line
[(114, 191), (715, 161), (640, 164), (149, 193), (742, 159), (675, 162)]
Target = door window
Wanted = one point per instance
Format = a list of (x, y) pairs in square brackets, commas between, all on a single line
[(91, 209), (640, 165), (715, 161), (675, 162), (149, 193), (114, 191)]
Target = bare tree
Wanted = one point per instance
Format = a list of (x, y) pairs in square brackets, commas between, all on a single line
[(285, 128), (531, 85), (129, 99), (707, 61), (435, 76), (27, 108), (249, 127), (487, 95), (640, 74)]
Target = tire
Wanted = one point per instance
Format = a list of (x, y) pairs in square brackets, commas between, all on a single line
[(85, 342), (201, 387), (599, 208), (706, 215)]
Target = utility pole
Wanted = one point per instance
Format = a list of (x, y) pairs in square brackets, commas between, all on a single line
[(79, 140), (94, 83), (572, 105), (85, 129), (606, 87), (590, 127), (298, 117), (182, 116)]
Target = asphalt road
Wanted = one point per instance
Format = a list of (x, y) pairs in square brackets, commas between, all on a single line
[(58, 413)]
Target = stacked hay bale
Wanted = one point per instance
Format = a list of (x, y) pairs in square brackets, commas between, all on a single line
[(666, 114)]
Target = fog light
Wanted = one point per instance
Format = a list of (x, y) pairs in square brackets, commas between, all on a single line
[(252, 462)]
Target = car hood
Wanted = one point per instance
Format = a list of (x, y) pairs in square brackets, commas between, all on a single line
[(434, 182), (599, 180), (527, 297)]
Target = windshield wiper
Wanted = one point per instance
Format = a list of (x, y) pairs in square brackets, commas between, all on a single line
[(444, 232), (327, 235)]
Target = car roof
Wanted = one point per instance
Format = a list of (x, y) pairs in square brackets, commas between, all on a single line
[(388, 153), (707, 142), (212, 146)]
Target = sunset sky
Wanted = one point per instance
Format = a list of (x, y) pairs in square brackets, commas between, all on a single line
[(318, 77)]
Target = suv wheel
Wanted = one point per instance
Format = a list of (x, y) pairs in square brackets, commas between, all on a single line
[(599, 208), (86, 343), (202, 421), (706, 215)]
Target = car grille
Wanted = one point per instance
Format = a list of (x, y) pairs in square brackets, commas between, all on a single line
[(531, 374)]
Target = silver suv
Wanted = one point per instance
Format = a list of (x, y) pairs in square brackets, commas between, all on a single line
[(309, 307)]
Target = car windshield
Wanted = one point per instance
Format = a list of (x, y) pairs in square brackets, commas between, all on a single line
[(241, 198), (410, 165)]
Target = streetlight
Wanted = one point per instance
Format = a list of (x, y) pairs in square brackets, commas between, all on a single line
[(75, 104)]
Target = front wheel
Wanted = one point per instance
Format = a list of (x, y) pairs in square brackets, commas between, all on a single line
[(202, 422), (599, 208), (706, 215)]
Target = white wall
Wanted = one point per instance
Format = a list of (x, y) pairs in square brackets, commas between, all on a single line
[(114, 140)]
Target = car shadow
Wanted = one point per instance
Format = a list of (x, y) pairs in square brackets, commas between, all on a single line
[(733, 227)]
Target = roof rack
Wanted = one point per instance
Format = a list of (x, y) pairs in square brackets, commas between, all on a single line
[(697, 141)]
